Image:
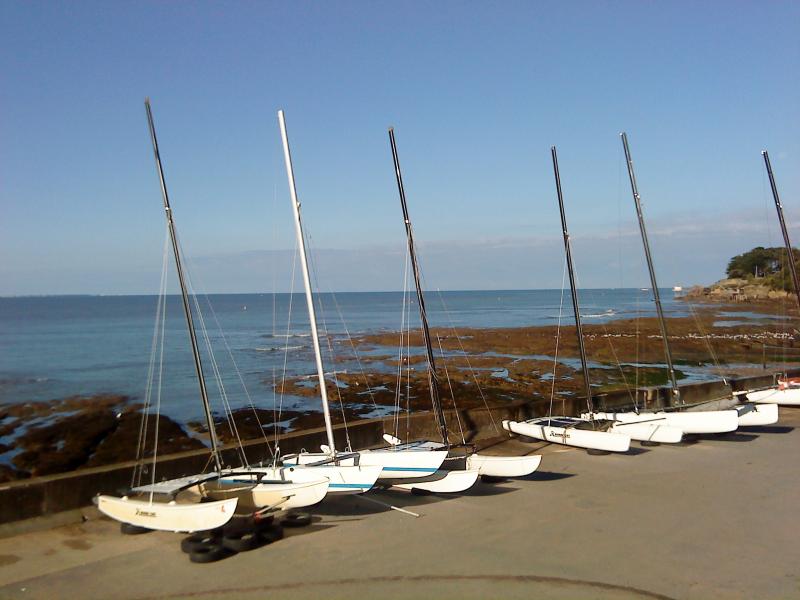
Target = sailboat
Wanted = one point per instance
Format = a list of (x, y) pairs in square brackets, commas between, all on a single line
[(689, 421), (175, 505), (787, 391), (366, 466), (415, 465), (586, 431), (463, 462)]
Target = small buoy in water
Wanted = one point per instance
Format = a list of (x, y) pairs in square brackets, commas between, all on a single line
[(244, 308)]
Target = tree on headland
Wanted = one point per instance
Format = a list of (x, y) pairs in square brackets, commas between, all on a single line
[(769, 265)]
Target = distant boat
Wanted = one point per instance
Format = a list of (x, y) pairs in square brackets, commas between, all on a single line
[(677, 288)]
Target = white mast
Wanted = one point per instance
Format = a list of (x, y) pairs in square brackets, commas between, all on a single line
[(298, 227)]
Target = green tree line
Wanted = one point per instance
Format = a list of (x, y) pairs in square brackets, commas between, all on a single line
[(768, 265)]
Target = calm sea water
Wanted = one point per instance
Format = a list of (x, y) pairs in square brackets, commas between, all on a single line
[(56, 346)]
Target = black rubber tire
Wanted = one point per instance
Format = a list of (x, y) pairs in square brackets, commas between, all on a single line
[(297, 519), (264, 521), (270, 534), (420, 492), (200, 539), (129, 529), (208, 553), (242, 541)]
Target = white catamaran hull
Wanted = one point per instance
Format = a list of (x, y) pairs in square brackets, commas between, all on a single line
[(344, 478), (649, 429), (300, 491), (751, 414), (700, 421), (504, 466), (545, 430), (404, 463), (789, 396), (168, 516), (348, 479), (444, 482), (649, 432)]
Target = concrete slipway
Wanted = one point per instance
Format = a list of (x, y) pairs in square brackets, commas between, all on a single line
[(715, 518)]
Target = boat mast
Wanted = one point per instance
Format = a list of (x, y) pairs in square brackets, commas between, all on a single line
[(312, 318), (637, 199), (784, 230), (187, 310), (573, 288), (433, 380)]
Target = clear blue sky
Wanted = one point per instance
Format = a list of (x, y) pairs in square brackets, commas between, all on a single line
[(477, 93)]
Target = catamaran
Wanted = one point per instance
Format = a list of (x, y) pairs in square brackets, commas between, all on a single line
[(390, 464), (175, 505), (654, 430), (689, 421), (787, 390), (586, 431), (463, 463), (415, 465)]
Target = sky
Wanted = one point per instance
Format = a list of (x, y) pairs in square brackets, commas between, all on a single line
[(477, 93)]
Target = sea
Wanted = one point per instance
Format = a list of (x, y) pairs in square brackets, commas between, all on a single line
[(53, 347)]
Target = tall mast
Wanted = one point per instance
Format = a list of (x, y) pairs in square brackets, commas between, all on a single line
[(784, 230), (433, 380), (312, 317), (187, 310), (573, 288), (637, 199)]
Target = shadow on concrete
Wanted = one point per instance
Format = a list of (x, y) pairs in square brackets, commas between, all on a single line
[(315, 527), (768, 429), (488, 489), (734, 436), (636, 451), (546, 476)]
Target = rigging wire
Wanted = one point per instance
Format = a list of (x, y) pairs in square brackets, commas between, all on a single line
[(136, 478), (558, 339), (469, 365), (452, 392), (286, 349)]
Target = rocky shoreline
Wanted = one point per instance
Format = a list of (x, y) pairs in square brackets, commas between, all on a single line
[(481, 367), (745, 291)]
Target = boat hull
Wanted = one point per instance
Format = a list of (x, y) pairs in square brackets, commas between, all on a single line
[(504, 466), (443, 482), (751, 414), (649, 432), (168, 516), (786, 397), (543, 429), (297, 490), (701, 421), (394, 463)]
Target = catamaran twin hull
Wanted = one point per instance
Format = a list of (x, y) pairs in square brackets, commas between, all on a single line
[(564, 430), (700, 421)]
